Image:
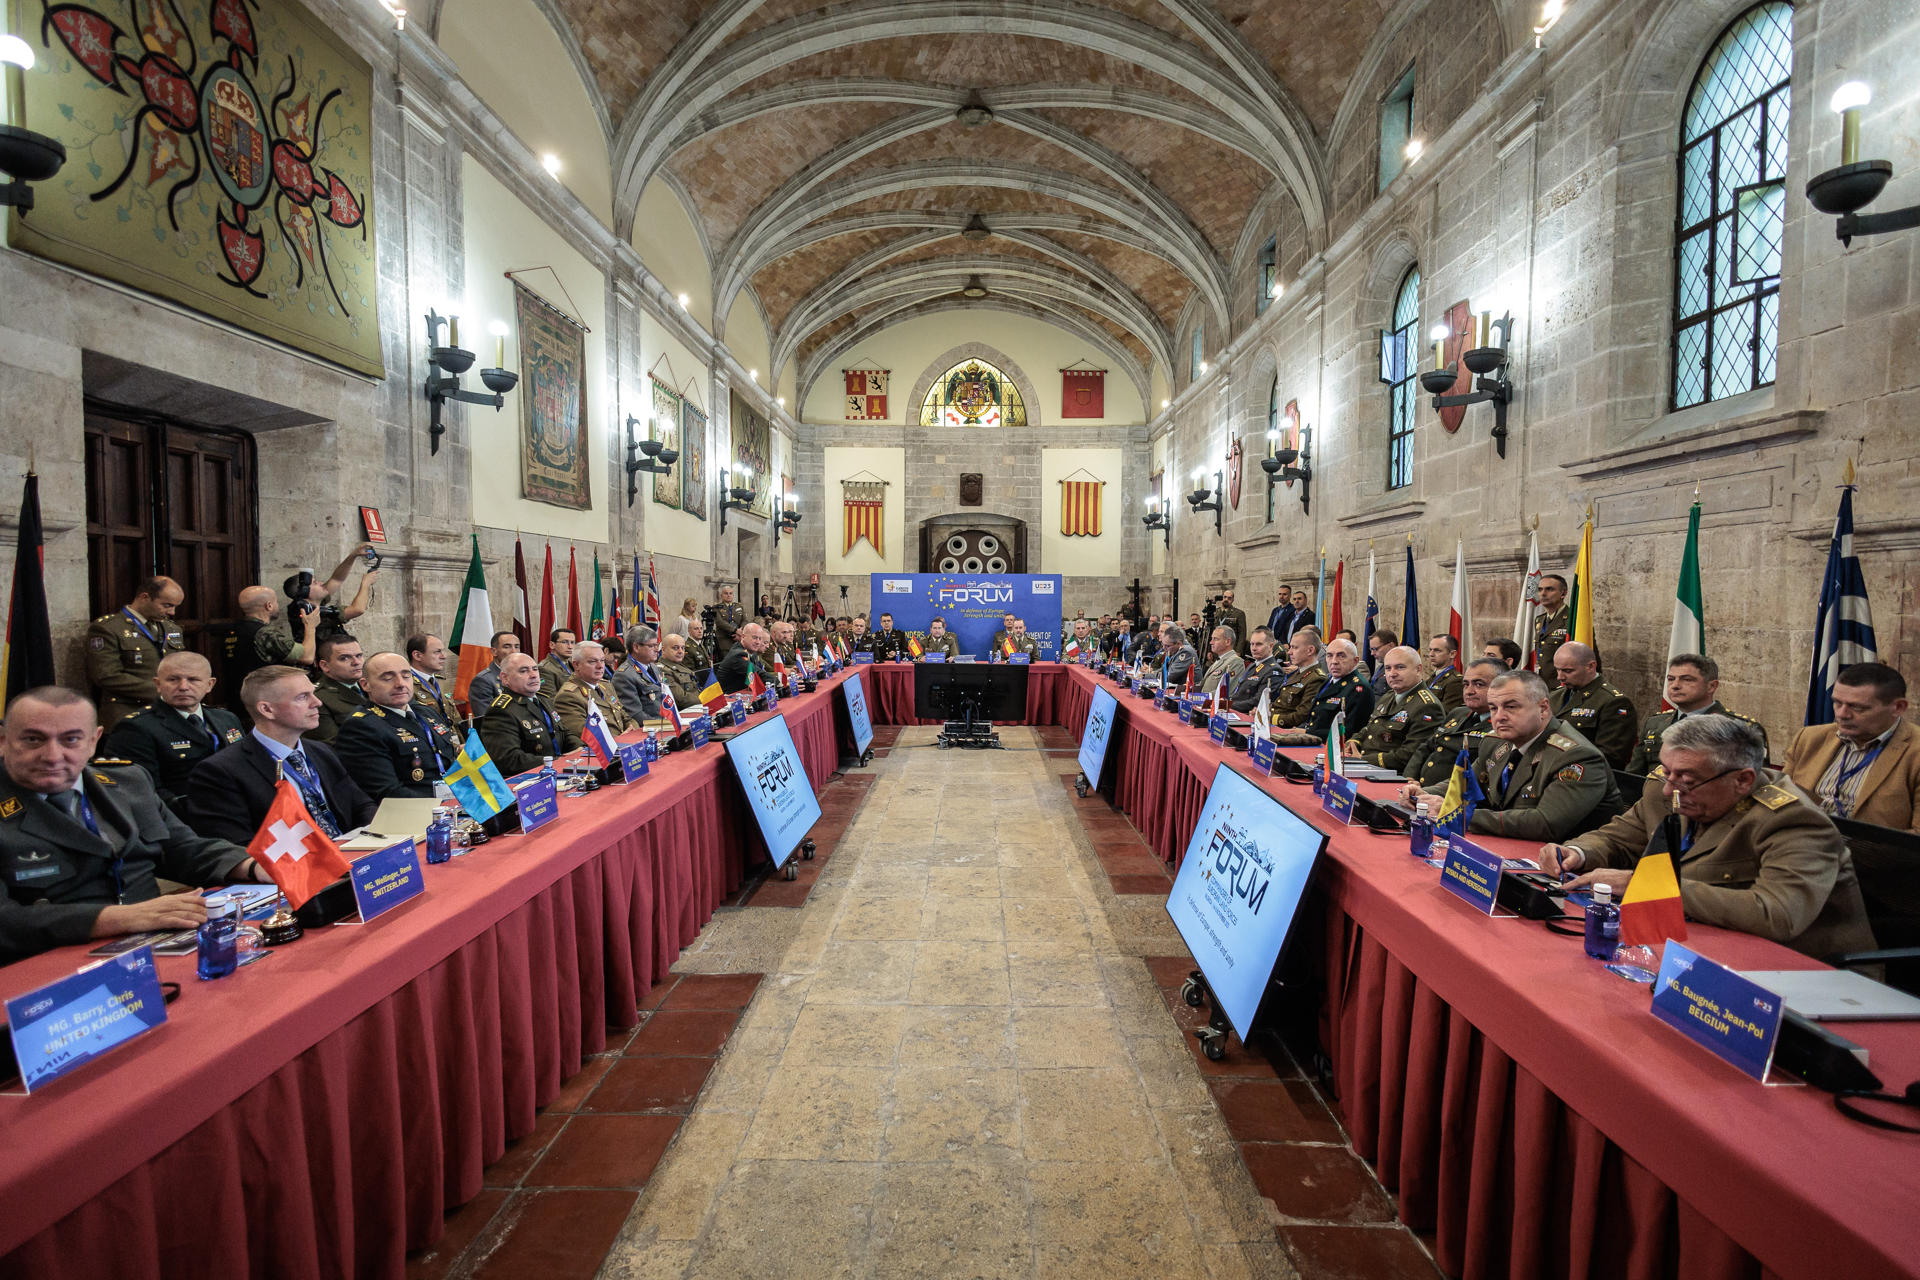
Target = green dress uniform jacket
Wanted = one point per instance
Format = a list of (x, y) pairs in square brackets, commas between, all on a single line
[(436, 692), (1451, 687), (1773, 865), (699, 657), (338, 701), (1222, 673), (1463, 727), (1237, 619), (167, 744), (554, 672), (518, 731), (1549, 633), (1563, 785), (570, 704), (59, 874), (947, 643), (685, 683), (1602, 715), (1399, 728), (1259, 676), (390, 753), (1646, 751), (123, 655), (727, 620), (1292, 703), (1021, 644), (1351, 695)]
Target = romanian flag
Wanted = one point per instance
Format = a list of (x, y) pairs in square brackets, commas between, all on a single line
[(1464, 794), (1650, 910), (710, 691), (913, 647)]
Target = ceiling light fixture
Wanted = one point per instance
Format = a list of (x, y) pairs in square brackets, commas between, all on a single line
[(551, 163), (973, 288), (976, 229)]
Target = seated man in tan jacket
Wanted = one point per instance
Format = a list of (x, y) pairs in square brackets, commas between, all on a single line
[(1756, 853), (589, 682), (1866, 764)]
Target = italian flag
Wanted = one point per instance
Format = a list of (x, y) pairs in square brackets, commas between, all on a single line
[(472, 632), (1689, 620)]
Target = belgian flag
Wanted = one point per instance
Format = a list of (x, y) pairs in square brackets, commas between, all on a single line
[(28, 657)]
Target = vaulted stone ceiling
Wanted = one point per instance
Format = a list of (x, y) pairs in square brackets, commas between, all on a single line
[(1127, 145)]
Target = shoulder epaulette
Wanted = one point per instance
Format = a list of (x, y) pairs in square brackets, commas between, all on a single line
[(110, 760), (1774, 797), (1610, 690), (1428, 695), (358, 714), (501, 701), (1560, 742)]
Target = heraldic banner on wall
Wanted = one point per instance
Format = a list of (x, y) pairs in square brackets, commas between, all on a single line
[(219, 153), (1083, 393), (753, 449), (866, 394), (664, 425), (553, 403), (693, 458), (864, 504), (1080, 507)]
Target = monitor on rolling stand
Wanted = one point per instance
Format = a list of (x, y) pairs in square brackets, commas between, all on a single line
[(968, 699)]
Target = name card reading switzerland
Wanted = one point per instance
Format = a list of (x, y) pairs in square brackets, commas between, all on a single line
[(386, 878)]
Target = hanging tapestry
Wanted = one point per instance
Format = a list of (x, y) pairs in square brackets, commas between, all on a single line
[(864, 512), (866, 395), (219, 155), (1083, 393), (693, 458), (664, 425), (553, 402), (752, 449), (1080, 508)]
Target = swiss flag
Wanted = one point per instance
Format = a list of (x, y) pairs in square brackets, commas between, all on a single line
[(301, 858)]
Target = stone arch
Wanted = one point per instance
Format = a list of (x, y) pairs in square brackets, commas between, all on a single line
[(977, 351)]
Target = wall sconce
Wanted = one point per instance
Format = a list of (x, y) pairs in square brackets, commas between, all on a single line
[(1280, 466), (1204, 499), (1550, 12), (786, 517), (25, 156), (658, 459), (451, 361), (1480, 361), (738, 497), (1856, 183), (1157, 517)]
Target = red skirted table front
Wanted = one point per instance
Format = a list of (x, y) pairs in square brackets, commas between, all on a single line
[(1521, 1102), (889, 688), (317, 1113)]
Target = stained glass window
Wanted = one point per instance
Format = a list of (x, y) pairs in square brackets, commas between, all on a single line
[(1399, 363), (973, 394), (1273, 434), (1269, 275), (1733, 169), (1197, 353)]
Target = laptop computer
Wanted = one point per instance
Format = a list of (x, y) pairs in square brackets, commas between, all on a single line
[(1836, 995)]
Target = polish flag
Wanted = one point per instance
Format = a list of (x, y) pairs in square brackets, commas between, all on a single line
[(1460, 620), (291, 847)]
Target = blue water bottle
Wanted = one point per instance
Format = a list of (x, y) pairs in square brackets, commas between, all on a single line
[(1320, 774), (1420, 832), (1603, 924), (217, 942), (440, 838), (547, 774)]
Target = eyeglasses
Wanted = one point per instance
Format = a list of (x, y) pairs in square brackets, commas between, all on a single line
[(1685, 782)]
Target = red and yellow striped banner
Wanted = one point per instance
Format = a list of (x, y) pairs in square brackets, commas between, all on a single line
[(1080, 507), (864, 520)]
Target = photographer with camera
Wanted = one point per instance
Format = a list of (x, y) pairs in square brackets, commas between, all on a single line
[(303, 596)]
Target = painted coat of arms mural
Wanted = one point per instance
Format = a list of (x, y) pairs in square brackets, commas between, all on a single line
[(220, 154)]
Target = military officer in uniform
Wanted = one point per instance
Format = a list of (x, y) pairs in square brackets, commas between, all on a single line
[(889, 642), (395, 746), (682, 680), (486, 685), (124, 648), (1554, 627), (589, 683), (520, 728), (1543, 781), (337, 681), (941, 640), (1229, 616), (1022, 642), (1260, 675), (1226, 664), (255, 642), (176, 733), (1176, 655), (1465, 727), (1006, 629), (1292, 703), (1692, 681), (728, 617), (639, 681), (1346, 693), (786, 644), (1588, 703), (83, 847), (557, 667), (1756, 853), (1402, 725), (1443, 655), (432, 686), (699, 656)]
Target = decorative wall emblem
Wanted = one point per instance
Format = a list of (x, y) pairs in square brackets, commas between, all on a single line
[(1236, 458)]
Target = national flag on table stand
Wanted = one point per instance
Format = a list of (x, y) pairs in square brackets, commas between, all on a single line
[(1650, 909), (1460, 618), (1464, 794), (1333, 619), (1263, 714), (1410, 613), (472, 633), (755, 685), (1337, 744), (710, 691), (597, 738), (1072, 650), (1215, 709), (1188, 687), (546, 608), (1006, 646), (28, 659), (573, 591), (1843, 627), (913, 647), (1527, 616), (670, 708), (1583, 586), (476, 782), (292, 849), (1371, 623)]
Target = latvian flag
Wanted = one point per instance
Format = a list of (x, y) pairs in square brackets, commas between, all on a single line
[(1080, 508), (866, 394), (596, 737)]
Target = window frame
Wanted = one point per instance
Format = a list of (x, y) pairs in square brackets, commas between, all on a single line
[(1403, 398), (1396, 109), (1267, 275)]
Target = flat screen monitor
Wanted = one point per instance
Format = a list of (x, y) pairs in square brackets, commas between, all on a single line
[(992, 692), (856, 696), (778, 790), (1099, 730), (1239, 891)]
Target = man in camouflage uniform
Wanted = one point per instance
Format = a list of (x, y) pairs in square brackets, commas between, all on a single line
[(1405, 721), (1589, 704), (1692, 681), (1465, 727), (124, 649)]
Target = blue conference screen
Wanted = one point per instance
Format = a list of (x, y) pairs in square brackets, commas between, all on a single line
[(856, 695), (777, 787), (1239, 889), (1099, 730)]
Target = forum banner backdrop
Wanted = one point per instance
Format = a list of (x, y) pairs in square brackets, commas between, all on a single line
[(553, 403), (219, 154), (971, 605), (665, 426)]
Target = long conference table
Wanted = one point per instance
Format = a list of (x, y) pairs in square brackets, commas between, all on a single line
[(317, 1114)]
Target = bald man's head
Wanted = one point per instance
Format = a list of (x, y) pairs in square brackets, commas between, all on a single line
[(259, 603), (183, 680)]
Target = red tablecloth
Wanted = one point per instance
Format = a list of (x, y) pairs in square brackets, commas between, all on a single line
[(1524, 1104), (317, 1113), (889, 688)]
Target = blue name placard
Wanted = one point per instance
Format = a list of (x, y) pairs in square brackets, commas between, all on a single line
[(1736, 1020), (1261, 751), (934, 655), (1339, 796), (539, 803), (388, 877), (1217, 729), (1471, 874), (858, 717), (773, 698), (67, 1024), (700, 731), (633, 761), (861, 658), (740, 710), (1020, 659)]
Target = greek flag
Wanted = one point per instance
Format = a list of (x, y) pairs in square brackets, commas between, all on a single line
[(1843, 629)]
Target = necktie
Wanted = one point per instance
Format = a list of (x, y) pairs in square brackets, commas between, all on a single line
[(198, 720), (426, 732), (1506, 774), (75, 806), (309, 784)]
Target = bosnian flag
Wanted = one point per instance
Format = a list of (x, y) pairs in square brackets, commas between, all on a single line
[(472, 633), (292, 848), (596, 737)]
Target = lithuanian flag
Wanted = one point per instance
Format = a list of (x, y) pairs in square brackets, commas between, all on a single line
[(1650, 910)]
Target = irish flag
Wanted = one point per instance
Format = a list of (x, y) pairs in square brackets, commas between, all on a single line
[(472, 633)]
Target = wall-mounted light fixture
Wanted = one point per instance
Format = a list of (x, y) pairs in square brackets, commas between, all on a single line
[(1280, 465), (1489, 357), (446, 363), (25, 156), (1857, 183), (649, 456), (786, 516), (1158, 517), (1207, 499), (1550, 12), (735, 497)]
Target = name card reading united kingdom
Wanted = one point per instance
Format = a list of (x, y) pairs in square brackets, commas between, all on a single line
[(68, 1023)]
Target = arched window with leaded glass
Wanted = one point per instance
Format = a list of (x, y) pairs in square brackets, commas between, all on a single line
[(1399, 367), (1273, 433), (973, 394), (1733, 169)]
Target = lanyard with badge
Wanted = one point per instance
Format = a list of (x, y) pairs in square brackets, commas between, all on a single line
[(1849, 772), (159, 641)]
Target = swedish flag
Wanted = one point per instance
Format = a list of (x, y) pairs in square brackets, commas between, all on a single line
[(1464, 793), (476, 781)]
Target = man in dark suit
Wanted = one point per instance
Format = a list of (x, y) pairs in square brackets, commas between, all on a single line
[(228, 794), (177, 732), (1302, 614), (397, 746), (486, 686), (84, 846), (557, 667), (1282, 614), (737, 668)]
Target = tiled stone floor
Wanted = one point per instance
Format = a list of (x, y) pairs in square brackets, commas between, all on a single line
[(967, 1057)]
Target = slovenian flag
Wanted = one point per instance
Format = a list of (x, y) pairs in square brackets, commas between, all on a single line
[(710, 691), (596, 737), (1650, 910), (1463, 795)]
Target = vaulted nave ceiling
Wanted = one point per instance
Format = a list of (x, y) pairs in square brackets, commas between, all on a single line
[(1124, 147)]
